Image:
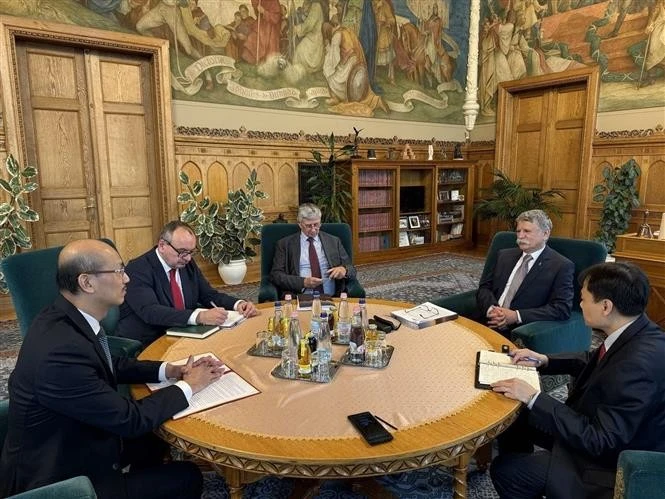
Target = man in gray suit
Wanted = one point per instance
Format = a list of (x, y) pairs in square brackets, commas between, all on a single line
[(310, 259)]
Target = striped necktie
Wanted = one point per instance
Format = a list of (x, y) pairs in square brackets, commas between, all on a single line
[(104, 342)]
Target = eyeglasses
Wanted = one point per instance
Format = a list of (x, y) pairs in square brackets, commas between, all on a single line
[(315, 225), (120, 271), (181, 252)]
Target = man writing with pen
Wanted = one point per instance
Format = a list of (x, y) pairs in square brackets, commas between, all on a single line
[(167, 288), (617, 401)]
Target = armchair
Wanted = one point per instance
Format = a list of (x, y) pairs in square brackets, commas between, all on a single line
[(74, 488), (544, 336), (30, 277), (640, 474), (271, 233)]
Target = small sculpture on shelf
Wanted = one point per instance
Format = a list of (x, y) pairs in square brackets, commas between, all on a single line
[(457, 152), (645, 229), (407, 152), (356, 142)]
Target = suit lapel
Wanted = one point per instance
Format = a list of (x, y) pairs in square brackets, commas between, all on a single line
[(160, 275), (294, 253), (84, 328), (534, 273), (514, 256)]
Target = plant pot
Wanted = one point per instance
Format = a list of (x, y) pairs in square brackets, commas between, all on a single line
[(234, 272)]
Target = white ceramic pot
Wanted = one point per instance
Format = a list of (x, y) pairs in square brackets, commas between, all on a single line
[(234, 272)]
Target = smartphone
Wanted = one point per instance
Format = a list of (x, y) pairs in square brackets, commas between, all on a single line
[(370, 428)]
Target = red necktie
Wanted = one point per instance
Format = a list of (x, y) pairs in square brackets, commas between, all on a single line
[(314, 262), (176, 292), (601, 352)]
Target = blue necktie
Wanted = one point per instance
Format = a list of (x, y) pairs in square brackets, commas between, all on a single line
[(104, 342)]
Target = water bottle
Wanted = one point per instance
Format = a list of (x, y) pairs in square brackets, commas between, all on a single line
[(343, 320), (316, 305), (356, 339), (288, 307), (324, 342), (278, 340), (290, 351), (364, 318)]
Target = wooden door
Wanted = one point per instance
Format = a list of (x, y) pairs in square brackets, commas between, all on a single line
[(89, 127), (544, 132)]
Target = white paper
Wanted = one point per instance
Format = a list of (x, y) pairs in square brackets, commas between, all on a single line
[(228, 388), (495, 366)]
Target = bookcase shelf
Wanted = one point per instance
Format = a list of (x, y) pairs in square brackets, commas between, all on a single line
[(387, 226)]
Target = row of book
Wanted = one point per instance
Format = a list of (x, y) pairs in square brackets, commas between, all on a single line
[(375, 221), (374, 243), (450, 176), (376, 177), (451, 231), (374, 198)]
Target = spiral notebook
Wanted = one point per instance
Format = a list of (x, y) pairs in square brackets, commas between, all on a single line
[(494, 366)]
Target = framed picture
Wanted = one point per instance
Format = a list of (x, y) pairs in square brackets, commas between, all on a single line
[(403, 224), (444, 195), (403, 239), (454, 195), (414, 222)]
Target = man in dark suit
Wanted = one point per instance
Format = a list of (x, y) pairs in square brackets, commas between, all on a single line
[(529, 283), (616, 403), (66, 417), (311, 259), (167, 289)]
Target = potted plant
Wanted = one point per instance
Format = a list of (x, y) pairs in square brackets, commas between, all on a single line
[(15, 213), (227, 232), (329, 183), (618, 193), (508, 198)]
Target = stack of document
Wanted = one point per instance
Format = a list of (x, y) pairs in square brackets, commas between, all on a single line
[(424, 315)]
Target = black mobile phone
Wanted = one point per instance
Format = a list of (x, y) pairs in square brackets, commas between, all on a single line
[(370, 428)]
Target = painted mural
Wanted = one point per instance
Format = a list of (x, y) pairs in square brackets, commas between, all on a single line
[(390, 59), (625, 38)]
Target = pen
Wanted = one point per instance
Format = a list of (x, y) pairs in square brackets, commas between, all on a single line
[(386, 422), (511, 355), (213, 304)]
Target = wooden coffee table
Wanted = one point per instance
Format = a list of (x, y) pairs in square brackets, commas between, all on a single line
[(242, 454)]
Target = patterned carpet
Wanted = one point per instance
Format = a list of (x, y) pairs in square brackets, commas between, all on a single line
[(413, 280)]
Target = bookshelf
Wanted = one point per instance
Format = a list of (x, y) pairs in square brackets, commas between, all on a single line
[(409, 208)]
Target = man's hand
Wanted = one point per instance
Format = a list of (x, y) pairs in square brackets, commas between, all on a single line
[(201, 373), (526, 357), (313, 282), (500, 317), (337, 272), (212, 316), (515, 389), (247, 309)]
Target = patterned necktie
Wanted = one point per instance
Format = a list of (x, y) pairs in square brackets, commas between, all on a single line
[(104, 342), (176, 292), (314, 262), (517, 280)]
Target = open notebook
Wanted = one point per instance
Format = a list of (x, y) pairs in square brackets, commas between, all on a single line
[(495, 366), (226, 389)]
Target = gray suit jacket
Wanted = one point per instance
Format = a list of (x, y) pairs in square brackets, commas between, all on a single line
[(286, 263)]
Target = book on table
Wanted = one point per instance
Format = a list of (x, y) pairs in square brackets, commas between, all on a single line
[(203, 331), (494, 366), (230, 387), (424, 315)]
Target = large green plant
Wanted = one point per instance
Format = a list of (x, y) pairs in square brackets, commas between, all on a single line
[(618, 193), (15, 213), (226, 231), (329, 183), (508, 198)]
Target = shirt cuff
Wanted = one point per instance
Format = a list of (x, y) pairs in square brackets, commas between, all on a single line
[(237, 304), (533, 400), (519, 317), (186, 389), (192, 318), (161, 376)]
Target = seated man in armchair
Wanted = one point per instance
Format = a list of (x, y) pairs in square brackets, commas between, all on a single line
[(311, 260), (529, 283)]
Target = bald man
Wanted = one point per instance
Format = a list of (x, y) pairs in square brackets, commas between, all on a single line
[(66, 417)]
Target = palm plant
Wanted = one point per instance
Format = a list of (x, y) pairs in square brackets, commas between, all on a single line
[(329, 183), (508, 198)]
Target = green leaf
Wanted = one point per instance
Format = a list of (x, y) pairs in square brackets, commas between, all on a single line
[(185, 197), (183, 177)]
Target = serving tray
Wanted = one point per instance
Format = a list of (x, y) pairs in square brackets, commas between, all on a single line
[(278, 373), (345, 360)]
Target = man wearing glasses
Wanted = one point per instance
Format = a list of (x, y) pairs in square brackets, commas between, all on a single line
[(167, 288), (66, 417), (310, 259)]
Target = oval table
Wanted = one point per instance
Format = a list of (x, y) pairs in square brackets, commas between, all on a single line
[(299, 429)]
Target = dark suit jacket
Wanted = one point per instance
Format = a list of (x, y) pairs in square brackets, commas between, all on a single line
[(546, 294), (65, 416), (614, 405), (286, 263), (148, 309)]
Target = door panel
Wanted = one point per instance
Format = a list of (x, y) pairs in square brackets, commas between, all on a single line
[(53, 89)]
